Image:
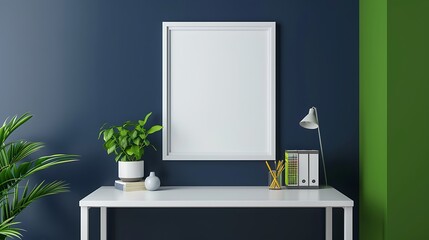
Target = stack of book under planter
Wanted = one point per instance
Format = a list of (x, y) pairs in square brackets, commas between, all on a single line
[(129, 186)]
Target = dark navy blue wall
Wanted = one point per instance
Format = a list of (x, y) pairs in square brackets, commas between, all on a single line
[(78, 64)]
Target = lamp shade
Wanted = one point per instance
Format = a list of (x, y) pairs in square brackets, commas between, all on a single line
[(310, 121)]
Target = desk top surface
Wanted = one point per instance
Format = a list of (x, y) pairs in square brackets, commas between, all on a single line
[(209, 197)]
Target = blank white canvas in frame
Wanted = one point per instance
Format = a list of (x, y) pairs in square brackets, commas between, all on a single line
[(219, 90)]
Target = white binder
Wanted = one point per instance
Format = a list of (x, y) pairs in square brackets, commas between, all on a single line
[(303, 169), (313, 168)]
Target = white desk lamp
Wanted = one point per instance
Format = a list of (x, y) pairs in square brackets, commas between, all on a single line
[(311, 121)]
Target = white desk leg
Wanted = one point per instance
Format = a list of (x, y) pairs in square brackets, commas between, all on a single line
[(84, 223), (328, 223), (103, 223), (348, 223)]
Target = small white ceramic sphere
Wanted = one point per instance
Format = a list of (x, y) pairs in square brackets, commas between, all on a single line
[(152, 182)]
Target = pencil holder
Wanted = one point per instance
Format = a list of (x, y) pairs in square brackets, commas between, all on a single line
[(275, 181)]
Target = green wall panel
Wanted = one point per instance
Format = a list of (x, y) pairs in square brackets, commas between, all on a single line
[(373, 119), (394, 87), (408, 114)]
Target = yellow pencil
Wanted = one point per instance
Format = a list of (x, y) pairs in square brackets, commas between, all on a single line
[(280, 165), (272, 174), (281, 170), (276, 175)]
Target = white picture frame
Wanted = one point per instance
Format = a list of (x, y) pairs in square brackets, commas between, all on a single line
[(219, 90)]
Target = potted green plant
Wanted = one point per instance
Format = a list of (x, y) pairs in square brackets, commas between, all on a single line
[(128, 142), (15, 193)]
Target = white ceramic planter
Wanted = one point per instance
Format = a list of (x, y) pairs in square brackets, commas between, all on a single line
[(131, 171)]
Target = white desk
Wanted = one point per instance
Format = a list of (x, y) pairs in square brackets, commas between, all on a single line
[(218, 197)]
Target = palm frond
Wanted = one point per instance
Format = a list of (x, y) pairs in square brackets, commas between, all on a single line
[(12, 207), (52, 160), (10, 176), (7, 229), (11, 125), (21, 149), (13, 198), (3, 158)]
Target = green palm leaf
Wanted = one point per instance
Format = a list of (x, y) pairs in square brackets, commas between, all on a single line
[(14, 168), (7, 229), (22, 149), (13, 174), (10, 126), (13, 207)]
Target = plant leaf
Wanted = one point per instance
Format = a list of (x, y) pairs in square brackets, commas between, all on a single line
[(134, 134), (108, 134), (109, 143), (134, 150), (154, 129), (11, 175), (141, 152), (123, 132), (142, 123), (14, 197), (1, 135), (119, 156), (27, 197), (21, 149), (136, 141), (130, 151), (124, 142), (10, 126), (127, 123), (101, 132), (153, 147), (111, 149), (7, 229)]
